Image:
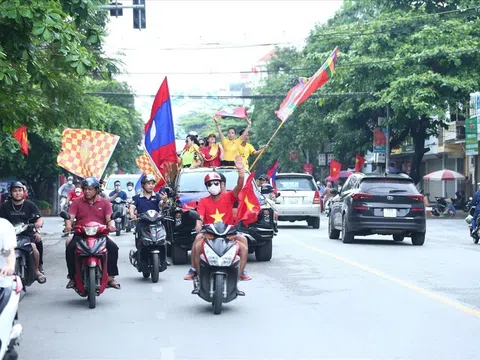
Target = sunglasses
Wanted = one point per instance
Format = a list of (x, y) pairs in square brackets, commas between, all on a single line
[(202, 143), (216, 183)]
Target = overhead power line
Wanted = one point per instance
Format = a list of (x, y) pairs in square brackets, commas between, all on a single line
[(221, 97)]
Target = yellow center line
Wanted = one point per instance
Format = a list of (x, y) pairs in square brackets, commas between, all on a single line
[(418, 289)]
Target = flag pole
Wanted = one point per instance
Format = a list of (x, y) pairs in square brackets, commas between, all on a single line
[(268, 143)]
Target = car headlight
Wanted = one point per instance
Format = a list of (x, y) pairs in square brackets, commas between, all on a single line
[(91, 230), (225, 260)]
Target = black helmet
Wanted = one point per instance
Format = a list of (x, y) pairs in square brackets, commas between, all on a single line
[(129, 183), (16, 185), (91, 182), (147, 178), (263, 177), (267, 189)]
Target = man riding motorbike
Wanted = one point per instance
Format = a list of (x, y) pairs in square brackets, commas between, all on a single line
[(91, 207), (475, 202), (8, 240), (18, 210), (146, 200), (130, 190), (65, 190), (218, 208)]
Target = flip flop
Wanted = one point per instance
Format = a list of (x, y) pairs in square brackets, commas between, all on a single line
[(113, 284), (41, 279)]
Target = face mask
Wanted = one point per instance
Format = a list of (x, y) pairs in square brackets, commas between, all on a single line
[(78, 191), (130, 187), (117, 187), (70, 182), (214, 189)]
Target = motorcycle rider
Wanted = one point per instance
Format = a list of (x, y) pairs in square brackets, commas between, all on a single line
[(75, 193), (130, 190), (18, 210), (475, 202), (215, 208), (92, 207), (8, 240), (146, 200), (64, 190), (118, 192)]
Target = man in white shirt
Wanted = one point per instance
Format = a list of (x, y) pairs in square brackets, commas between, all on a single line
[(130, 190), (8, 241)]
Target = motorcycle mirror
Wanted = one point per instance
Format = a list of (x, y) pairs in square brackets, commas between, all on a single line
[(194, 215), (64, 215), (116, 215), (278, 194)]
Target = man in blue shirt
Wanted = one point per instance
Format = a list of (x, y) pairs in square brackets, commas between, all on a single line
[(475, 202), (146, 200), (118, 192)]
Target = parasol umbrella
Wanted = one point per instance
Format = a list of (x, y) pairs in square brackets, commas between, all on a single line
[(344, 174), (444, 175)]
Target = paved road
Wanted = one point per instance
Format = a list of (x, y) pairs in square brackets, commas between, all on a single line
[(317, 299)]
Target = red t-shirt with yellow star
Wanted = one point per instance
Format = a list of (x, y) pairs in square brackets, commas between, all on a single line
[(219, 210)]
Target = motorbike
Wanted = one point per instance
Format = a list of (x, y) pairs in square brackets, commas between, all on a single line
[(474, 234), (219, 266), (151, 257), (24, 264), (91, 276), (119, 206), (10, 332)]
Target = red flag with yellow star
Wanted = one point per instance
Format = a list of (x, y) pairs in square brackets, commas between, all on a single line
[(359, 162), (335, 168), (21, 135), (248, 204)]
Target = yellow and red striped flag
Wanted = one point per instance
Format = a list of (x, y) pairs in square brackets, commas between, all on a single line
[(86, 152)]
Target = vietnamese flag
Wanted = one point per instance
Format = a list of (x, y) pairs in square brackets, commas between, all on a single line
[(335, 168), (248, 204), (21, 136), (159, 130), (359, 162)]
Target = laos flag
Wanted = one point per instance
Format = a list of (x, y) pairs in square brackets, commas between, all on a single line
[(159, 131)]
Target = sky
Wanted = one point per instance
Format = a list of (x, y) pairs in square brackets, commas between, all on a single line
[(173, 28)]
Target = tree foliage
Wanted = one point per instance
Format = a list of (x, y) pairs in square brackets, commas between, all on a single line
[(417, 58), (51, 61)]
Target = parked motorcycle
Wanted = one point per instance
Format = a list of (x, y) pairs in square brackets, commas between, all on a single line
[(219, 266), (10, 332), (151, 258), (25, 264), (119, 206), (91, 276)]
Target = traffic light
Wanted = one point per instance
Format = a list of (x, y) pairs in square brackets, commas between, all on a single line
[(139, 18), (118, 11)]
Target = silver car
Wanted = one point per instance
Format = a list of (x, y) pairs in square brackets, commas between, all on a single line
[(299, 198)]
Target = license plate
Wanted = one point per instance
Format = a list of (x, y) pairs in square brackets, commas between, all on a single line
[(389, 213), (292, 201)]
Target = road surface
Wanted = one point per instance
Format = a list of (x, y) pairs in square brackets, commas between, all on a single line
[(316, 299)]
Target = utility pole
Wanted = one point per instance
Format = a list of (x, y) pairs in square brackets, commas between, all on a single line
[(387, 144)]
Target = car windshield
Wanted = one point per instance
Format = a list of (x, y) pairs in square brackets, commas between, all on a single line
[(295, 183), (123, 182), (387, 186), (192, 182)]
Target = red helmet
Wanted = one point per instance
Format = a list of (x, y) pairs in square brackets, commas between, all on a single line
[(212, 176)]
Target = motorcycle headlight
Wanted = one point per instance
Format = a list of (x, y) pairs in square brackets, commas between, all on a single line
[(118, 200), (225, 260), (178, 219), (90, 230), (266, 215)]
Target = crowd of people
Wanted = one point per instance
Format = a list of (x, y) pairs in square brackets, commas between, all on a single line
[(207, 152)]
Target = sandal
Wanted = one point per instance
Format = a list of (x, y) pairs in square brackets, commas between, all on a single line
[(71, 284), (41, 278), (113, 284)]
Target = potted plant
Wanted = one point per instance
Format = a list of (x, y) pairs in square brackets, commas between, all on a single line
[(44, 207)]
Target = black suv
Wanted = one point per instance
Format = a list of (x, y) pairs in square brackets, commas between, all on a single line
[(386, 204), (189, 188)]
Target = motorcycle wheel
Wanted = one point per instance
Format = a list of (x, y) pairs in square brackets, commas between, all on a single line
[(218, 296), (155, 267), (118, 231), (475, 240), (92, 296)]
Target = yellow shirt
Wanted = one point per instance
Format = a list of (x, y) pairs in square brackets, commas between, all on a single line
[(231, 148), (245, 152), (188, 155)]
